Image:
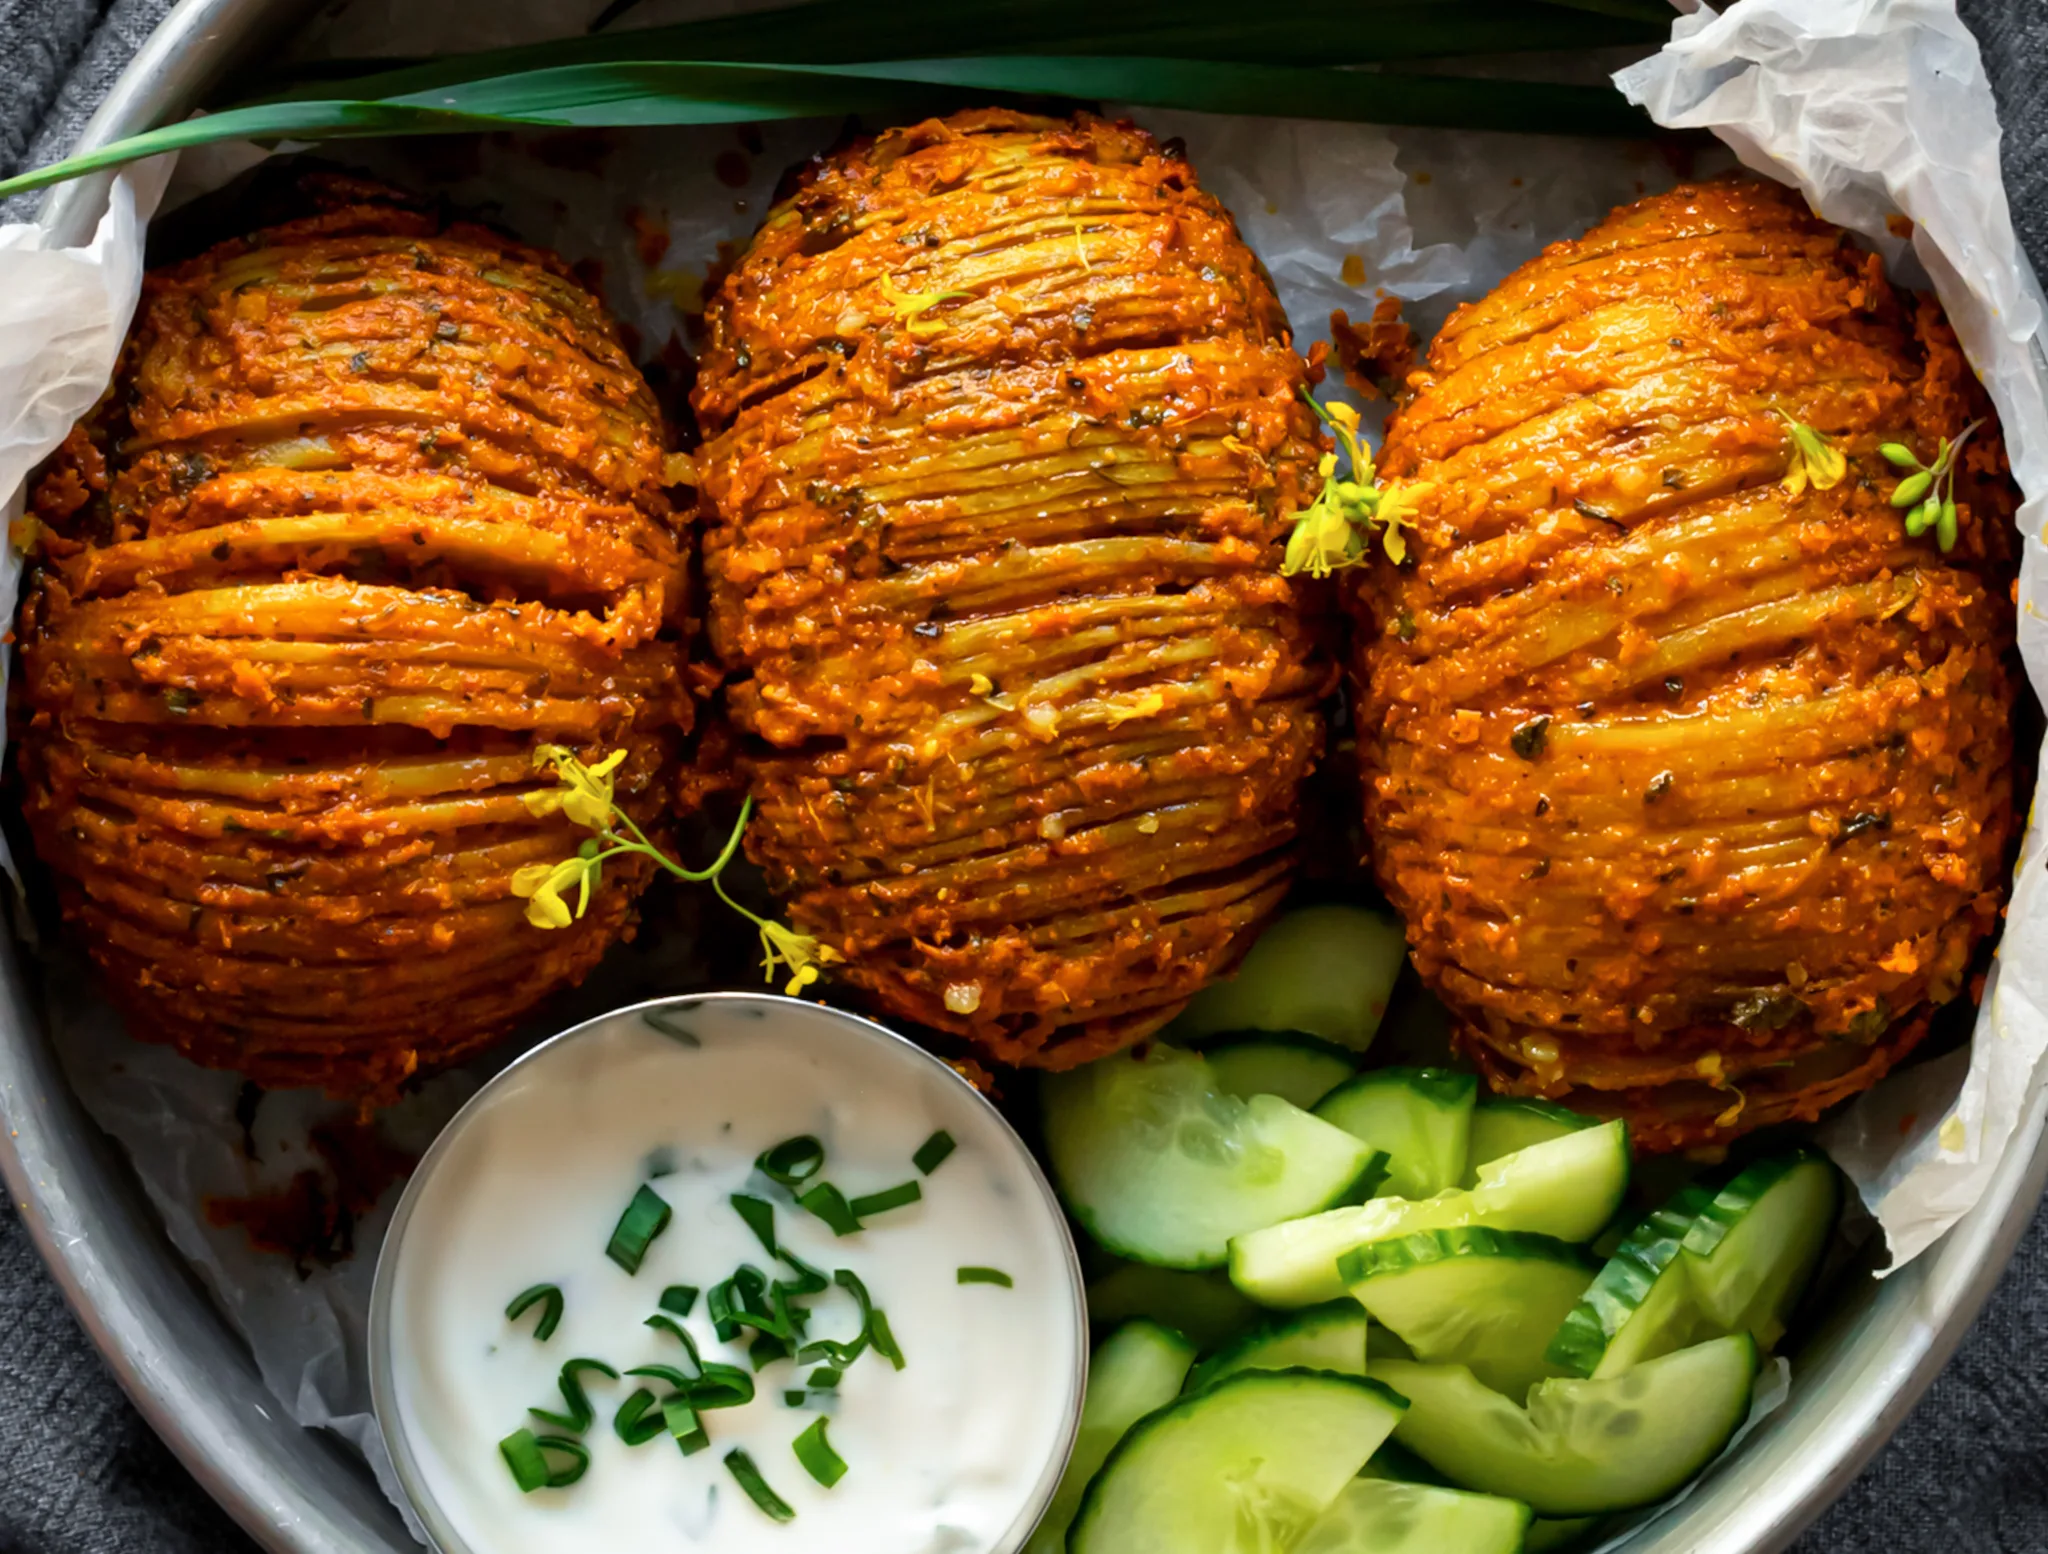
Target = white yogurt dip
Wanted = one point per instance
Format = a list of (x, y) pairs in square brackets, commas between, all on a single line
[(954, 1454)]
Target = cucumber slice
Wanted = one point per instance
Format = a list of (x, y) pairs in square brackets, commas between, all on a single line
[(1206, 1306), (1158, 1165), (1752, 1250), (1422, 1118), (1554, 1534), (1503, 1124), (1709, 1262), (1322, 1338), (1243, 1467), (1395, 1461), (1641, 1304), (1136, 1370), (1298, 1069), (1485, 1299), (1581, 1447), (1384, 1516), (1568, 1188), (1322, 970)]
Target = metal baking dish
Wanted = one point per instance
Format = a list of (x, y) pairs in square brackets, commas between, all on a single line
[(297, 1492)]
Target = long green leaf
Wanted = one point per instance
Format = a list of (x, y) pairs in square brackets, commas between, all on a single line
[(1309, 32), (673, 92)]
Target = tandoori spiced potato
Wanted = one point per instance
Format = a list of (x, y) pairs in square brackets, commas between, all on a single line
[(1005, 433), (1689, 767), (374, 506)]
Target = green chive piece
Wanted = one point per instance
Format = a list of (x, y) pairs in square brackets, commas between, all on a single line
[(525, 1454), (678, 1298), (816, 1454), (1898, 453), (742, 1468), (646, 1217), (986, 1276), (883, 1339), (765, 1350), (823, 1379), (1946, 530), (932, 1153), (633, 1423), (721, 1386), (808, 1280), (829, 1204), (667, 1373), (741, 1301), (549, 1298), (796, 1399), (661, 1322), (759, 1214), (579, 1415), (792, 1162), (682, 1422), (667, 1024), (1909, 491), (889, 1198)]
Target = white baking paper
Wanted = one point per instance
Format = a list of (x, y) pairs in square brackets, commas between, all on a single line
[(1876, 107)]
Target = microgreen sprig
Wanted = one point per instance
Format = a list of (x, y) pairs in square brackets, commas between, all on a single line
[(1812, 459), (585, 795), (1333, 530), (1929, 491)]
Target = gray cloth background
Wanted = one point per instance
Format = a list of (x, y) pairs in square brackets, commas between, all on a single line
[(82, 1474)]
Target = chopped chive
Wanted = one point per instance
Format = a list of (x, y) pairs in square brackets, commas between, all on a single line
[(721, 1386), (742, 1468), (765, 1350), (666, 1023), (549, 1298), (580, 1413), (683, 1423), (661, 1322), (889, 1198), (678, 1298), (808, 1280), (884, 1340), (667, 1373), (986, 1276), (634, 1423), (931, 1154), (525, 1454), (829, 1204), (759, 1214), (795, 1399), (792, 1162), (816, 1454), (646, 1217), (741, 1301), (823, 1379)]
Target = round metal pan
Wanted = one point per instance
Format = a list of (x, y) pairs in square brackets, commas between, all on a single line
[(297, 1492)]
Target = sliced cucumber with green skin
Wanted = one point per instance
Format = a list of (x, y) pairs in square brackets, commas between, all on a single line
[(1135, 1371), (1485, 1299), (1205, 1306), (1567, 1187), (1385, 1516), (1580, 1448), (1753, 1248), (1707, 1263), (1244, 1467), (1555, 1534), (1322, 1338), (1421, 1117), (1393, 1460), (1504, 1124), (1159, 1165), (1322, 970), (1298, 1069), (1641, 1304)]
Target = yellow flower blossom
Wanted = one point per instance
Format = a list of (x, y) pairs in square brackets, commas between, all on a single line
[(1812, 459)]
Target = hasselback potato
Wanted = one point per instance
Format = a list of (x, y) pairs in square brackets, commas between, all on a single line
[(1004, 433), (374, 506), (1688, 765)]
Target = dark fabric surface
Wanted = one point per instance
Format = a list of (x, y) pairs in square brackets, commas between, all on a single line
[(82, 1474)]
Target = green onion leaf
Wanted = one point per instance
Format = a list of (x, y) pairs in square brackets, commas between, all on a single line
[(823, 1379), (883, 1339), (816, 1454), (792, 1162), (829, 1204), (742, 1468), (667, 1024), (634, 1423), (765, 1350), (579, 1415), (667, 1373), (759, 1214), (932, 1153), (524, 1453), (549, 1298), (684, 1424), (678, 1298), (874, 1325), (889, 1198), (742, 1301), (721, 1386), (646, 1217), (796, 1399), (986, 1276), (808, 1280), (663, 1323)]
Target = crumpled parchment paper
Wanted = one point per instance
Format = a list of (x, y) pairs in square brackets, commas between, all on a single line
[(1877, 108)]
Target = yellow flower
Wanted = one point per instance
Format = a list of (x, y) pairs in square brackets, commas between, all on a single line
[(541, 885), (1395, 505), (585, 794), (802, 953), (1812, 459)]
